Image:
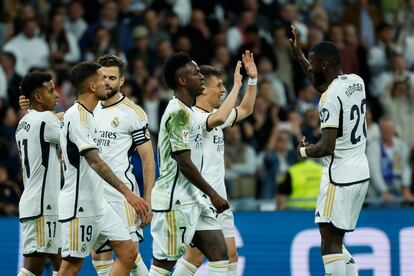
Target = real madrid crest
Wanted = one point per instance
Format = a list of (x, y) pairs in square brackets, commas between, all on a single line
[(115, 122)]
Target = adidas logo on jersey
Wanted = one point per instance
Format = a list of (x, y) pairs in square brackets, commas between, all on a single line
[(317, 214), (49, 207), (81, 209), (177, 202), (351, 261)]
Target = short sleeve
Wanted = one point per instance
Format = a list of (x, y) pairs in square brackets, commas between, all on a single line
[(139, 129), (231, 120), (82, 131), (329, 112), (178, 129), (52, 128)]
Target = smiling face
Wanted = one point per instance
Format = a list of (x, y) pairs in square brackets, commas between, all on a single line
[(214, 91)]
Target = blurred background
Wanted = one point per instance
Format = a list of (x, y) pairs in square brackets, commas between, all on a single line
[(375, 39)]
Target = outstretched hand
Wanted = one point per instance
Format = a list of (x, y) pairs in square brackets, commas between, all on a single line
[(237, 79), (295, 43), (249, 65)]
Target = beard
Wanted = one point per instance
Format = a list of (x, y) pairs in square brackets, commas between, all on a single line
[(112, 93), (318, 79)]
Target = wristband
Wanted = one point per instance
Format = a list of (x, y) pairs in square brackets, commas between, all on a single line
[(252, 81), (302, 151)]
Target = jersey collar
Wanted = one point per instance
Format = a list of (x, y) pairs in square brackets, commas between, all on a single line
[(117, 102)]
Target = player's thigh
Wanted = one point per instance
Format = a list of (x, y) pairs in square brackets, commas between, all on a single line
[(35, 262), (347, 205), (78, 236), (226, 222), (173, 231), (115, 232), (129, 217), (209, 236), (41, 235)]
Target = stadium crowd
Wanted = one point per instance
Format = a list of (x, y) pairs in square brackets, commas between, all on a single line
[(376, 40)]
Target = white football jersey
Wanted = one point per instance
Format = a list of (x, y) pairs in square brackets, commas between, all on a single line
[(343, 106), (122, 127), (37, 137), (82, 192), (213, 150), (180, 130)]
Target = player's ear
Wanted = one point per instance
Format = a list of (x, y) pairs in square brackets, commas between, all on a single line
[(180, 80), (92, 86), (121, 81)]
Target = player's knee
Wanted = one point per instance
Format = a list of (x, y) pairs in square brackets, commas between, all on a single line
[(131, 253), (194, 257)]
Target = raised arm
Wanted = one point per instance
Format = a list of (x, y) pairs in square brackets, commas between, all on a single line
[(245, 108), (296, 46), (105, 172), (190, 171), (220, 116)]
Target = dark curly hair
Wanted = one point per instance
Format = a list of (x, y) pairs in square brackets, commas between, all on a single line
[(175, 62)]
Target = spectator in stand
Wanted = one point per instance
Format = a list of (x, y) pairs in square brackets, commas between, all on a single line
[(290, 16), (8, 124), (236, 34), (29, 49), (300, 187), (3, 87), (74, 22), (307, 97), (366, 17), (9, 194), (283, 55), (389, 165), (379, 56), (155, 33), (349, 57), (258, 127), (311, 126), (153, 105), (278, 88), (119, 35), (200, 36), (8, 63), (102, 45), (163, 51), (319, 19), (139, 73), (385, 79), (240, 162), (398, 104), (140, 48), (279, 155), (63, 46)]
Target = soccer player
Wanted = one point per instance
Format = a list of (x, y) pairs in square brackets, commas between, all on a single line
[(83, 211), (37, 137), (213, 149), (180, 215), (123, 127), (342, 146)]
